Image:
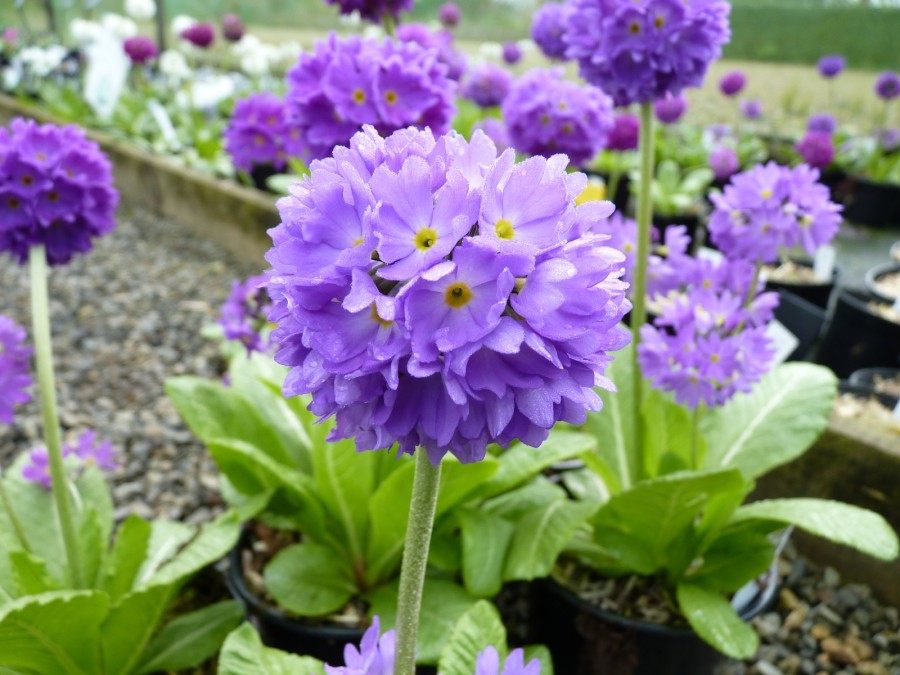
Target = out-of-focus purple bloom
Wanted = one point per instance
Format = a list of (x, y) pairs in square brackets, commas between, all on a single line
[(244, 313), (733, 83), (718, 132), (375, 655), (887, 85), (140, 49), (751, 108), (817, 149), (822, 123), (441, 41), (547, 114), (487, 85), (724, 162), (638, 51), (622, 233), (10, 36), (512, 53), (495, 129), (14, 376), (449, 14), (625, 132), (37, 468), (431, 294), (346, 83), (488, 663), (373, 10), (548, 29), (258, 133), (771, 207), (233, 28), (55, 189), (87, 450), (831, 65), (670, 109), (201, 34), (889, 139)]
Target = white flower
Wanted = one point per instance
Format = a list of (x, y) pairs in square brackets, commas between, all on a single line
[(491, 50), (289, 52), (41, 62), (353, 19), (120, 26), (207, 93), (140, 10), (84, 32), (373, 32), (181, 23), (255, 64), (247, 45), (173, 65)]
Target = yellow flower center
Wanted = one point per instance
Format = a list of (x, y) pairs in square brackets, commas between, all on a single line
[(377, 319), (634, 27), (40, 156), (659, 21), (390, 96), (426, 238), (27, 180), (563, 105), (53, 196), (628, 248), (13, 203), (566, 128), (458, 295), (714, 358), (545, 119), (271, 120), (359, 96), (504, 229), (259, 139), (358, 241), (594, 192), (766, 193)]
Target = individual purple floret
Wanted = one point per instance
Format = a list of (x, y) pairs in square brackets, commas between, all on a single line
[(817, 149), (487, 85), (733, 83), (822, 123), (258, 133), (55, 189), (495, 129), (140, 49), (439, 40), (488, 663), (548, 29), (831, 65), (625, 132), (346, 83), (449, 15), (622, 233), (375, 655), (14, 374), (670, 109), (887, 85), (724, 162), (512, 53), (639, 51), (87, 450), (547, 114), (429, 293), (37, 468), (244, 313), (201, 34), (233, 28), (373, 10), (751, 108)]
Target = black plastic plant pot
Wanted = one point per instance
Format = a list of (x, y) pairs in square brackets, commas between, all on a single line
[(804, 319), (585, 640), (874, 274), (864, 381), (874, 204), (837, 183), (858, 337), (895, 251), (261, 173), (818, 294)]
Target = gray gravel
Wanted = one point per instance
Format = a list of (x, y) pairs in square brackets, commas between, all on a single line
[(125, 317)]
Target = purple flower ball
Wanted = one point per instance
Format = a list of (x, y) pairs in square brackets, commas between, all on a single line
[(201, 34), (889, 139), (430, 294), (449, 15), (512, 53), (373, 10), (670, 109), (816, 148), (831, 65), (733, 83), (625, 132), (233, 28), (258, 133), (751, 108), (56, 189), (345, 83), (244, 313), (441, 41), (548, 29), (638, 51), (724, 162), (547, 114), (822, 123), (14, 375), (887, 85), (494, 129), (140, 49), (487, 85)]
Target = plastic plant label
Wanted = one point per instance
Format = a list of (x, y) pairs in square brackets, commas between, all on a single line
[(896, 412), (823, 262), (711, 254), (785, 341), (164, 122), (896, 305), (107, 70)]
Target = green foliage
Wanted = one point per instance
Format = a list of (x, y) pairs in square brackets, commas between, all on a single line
[(675, 192), (244, 654)]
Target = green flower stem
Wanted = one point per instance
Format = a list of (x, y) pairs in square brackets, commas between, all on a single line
[(415, 559), (40, 316), (387, 22), (13, 518), (695, 436), (639, 297)]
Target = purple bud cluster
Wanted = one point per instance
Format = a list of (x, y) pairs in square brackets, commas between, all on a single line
[(548, 29), (244, 313), (487, 85), (259, 134), (373, 10), (439, 40)]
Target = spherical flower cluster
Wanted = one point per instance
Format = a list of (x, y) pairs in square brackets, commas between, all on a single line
[(348, 82), (244, 313), (55, 189), (441, 41), (639, 51), (140, 49), (670, 109), (751, 108), (831, 65), (449, 15), (200, 34), (724, 162), (233, 28), (548, 29), (14, 376), (373, 10), (258, 133), (625, 132), (87, 450), (887, 85), (816, 148), (822, 123), (512, 53), (547, 114), (487, 85), (432, 294), (771, 207), (732, 83)]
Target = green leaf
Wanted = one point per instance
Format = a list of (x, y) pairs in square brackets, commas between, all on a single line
[(190, 639), (55, 632), (514, 505), (485, 542), (773, 424), (31, 574), (166, 539), (542, 654), (668, 431), (310, 580), (845, 524), (244, 654), (92, 544), (131, 623), (733, 560), (120, 568), (716, 621), (477, 629)]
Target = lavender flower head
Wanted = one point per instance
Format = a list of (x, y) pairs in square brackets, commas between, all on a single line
[(346, 83), (233, 28), (494, 129), (244, 313), (441, 41), (488, 663), (670, 109), (733, 83), (625, 132), (432, 294), (724, 162), (817, 149), (88, 451), (55, 189), (888, 139), (140, 49), (14, 375), (771, 207), (487, 85), (373, 10), (831, 65), (887, 85), (751, 108), (548, 29), (512, 53), (258, 133), (375, 655), (547, 114), (822, 123), (638, 51), (201, 34), (449, 15)]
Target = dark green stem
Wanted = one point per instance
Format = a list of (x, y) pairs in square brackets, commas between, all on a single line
[(695, 436)]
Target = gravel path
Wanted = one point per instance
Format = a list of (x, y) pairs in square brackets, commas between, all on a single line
[(125, 317)]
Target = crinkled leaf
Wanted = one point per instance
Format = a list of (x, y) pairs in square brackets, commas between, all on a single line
[(733, 560), (130, 626), (477, 629), (244, 654), (31, 574), (716, 621), (310, 579)]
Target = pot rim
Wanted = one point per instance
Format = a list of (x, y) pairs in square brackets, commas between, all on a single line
[(859, 300), (875, 273), (807, 262)]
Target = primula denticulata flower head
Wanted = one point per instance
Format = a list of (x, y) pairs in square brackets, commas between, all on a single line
[(244, 313), (439, 40), (733, 83), (56, 189), (831, 65), (430, 293), (751, 108), (449, 15), (724, 162), (548, 29), (174, 65), (625, 132), (639, 51), (887, 85), (201, 34), (670, 109), (373, 10), (258, 133), (120, 26), (232, 28), (14, 375), (487, 85), (140, 49), (547, 114), (822, 123), (512, 53), (816, 148)]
